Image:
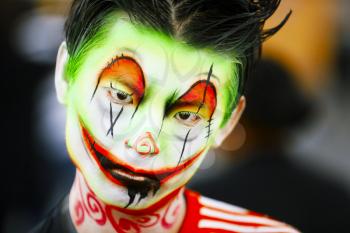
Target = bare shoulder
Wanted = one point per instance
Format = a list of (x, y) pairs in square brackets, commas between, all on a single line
[(218, 216)]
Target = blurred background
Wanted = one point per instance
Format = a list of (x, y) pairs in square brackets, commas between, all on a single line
[(289, 157)]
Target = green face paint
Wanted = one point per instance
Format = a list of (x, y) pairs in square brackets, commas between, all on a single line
[(143, 109)]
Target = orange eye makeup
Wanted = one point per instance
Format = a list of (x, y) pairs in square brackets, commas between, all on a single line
[(127, 72), (200, 97)]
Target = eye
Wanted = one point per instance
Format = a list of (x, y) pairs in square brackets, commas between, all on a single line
[(187, 118), (120, 97)]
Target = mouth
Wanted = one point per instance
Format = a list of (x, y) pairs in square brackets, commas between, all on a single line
[(121, 173)]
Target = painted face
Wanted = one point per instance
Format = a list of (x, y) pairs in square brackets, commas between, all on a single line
[(143, 109)]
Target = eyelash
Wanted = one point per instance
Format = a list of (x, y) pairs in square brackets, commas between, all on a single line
[(115, 95), (191, 122), (122, 56)]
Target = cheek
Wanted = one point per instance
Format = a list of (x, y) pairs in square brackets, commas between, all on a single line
[(179, 143), (184, 176), (100, 114)]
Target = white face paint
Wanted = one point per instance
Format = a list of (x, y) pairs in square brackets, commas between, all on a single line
[(143, 110)]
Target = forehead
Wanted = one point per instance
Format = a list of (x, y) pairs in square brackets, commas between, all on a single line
[(160, 55)]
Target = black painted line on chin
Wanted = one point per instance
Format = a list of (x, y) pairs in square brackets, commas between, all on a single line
[(131, 199)]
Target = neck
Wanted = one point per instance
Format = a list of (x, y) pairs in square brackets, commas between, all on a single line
[(90, 214)]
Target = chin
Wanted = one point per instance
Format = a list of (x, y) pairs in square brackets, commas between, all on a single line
[(118, 196)]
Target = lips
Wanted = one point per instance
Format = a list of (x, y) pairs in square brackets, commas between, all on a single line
[(119, 172)]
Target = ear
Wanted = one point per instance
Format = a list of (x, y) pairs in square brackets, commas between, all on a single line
[(60, 78), (230, 125)]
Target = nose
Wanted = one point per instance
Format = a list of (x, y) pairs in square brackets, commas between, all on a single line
[(144, 144)]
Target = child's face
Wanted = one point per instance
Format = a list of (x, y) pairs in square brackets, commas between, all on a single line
[(143, 110)]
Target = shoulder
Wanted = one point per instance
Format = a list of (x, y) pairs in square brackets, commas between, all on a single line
[(209, 215), (57, 221)]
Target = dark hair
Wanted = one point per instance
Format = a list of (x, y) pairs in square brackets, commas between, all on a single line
[(229, 26)]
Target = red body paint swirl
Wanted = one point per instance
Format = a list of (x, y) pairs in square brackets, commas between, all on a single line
[(88, 205)]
